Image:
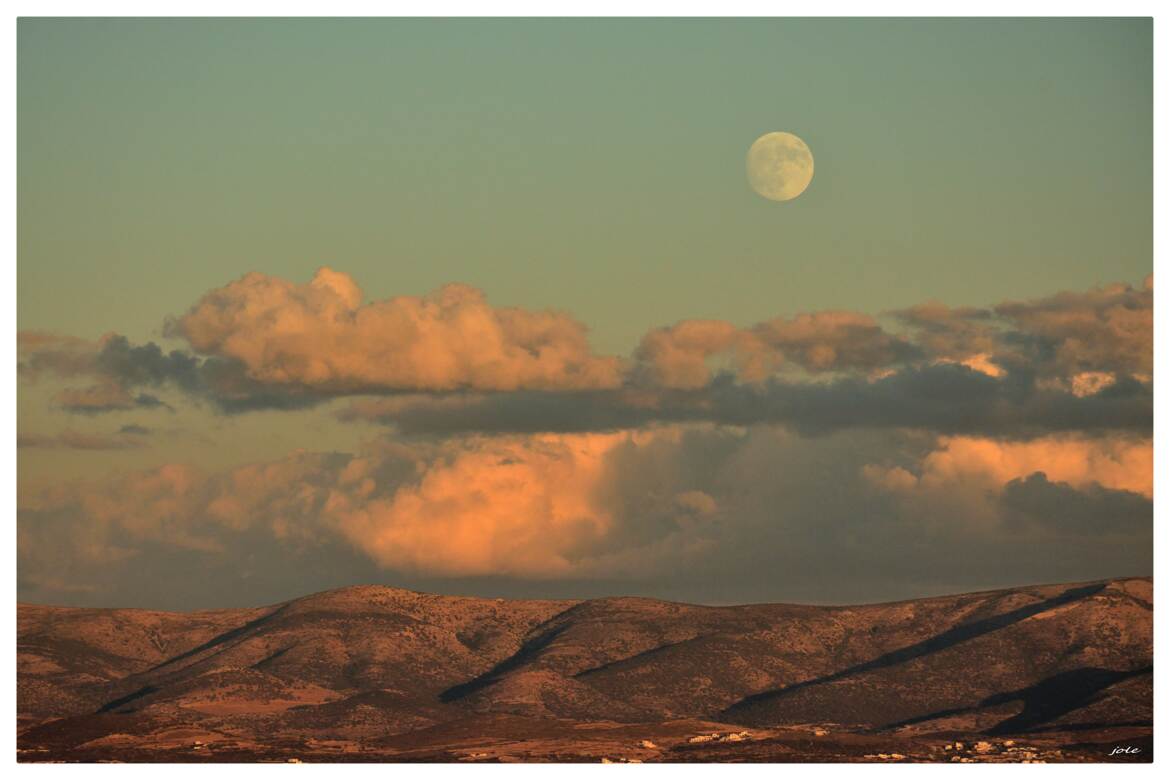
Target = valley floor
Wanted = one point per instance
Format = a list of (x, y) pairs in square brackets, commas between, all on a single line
[(505, 739)]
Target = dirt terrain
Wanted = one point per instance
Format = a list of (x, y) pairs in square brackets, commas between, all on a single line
[(1045, 673)]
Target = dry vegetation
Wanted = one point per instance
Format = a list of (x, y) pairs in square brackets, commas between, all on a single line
[(1052, 673)]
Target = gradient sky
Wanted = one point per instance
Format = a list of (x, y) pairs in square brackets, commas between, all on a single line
[(595, 167)]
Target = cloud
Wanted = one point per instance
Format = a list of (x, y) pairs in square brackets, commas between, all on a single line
[(1116, 463), (1036, 503), (176, 506), (134, 430), (1002, 489), (95, 398), (680, 356), (40, 352), (1121, 463), (266, 343), (1105, 333), (945, 398), (449, 363), (523, 412), (699, 512), (1106, 329), (121, 369), (834, 341), (719, 462), (104, 397), (528, 507), (1098, 335), (951, 333), (75, 440), (499, 507), (321, 335)]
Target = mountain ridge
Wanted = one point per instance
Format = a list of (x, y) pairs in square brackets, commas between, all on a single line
[(422, 593), (371, 662)]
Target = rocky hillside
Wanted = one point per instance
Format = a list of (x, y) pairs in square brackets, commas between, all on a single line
[(367, 663)]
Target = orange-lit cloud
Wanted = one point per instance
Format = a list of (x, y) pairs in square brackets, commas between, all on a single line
[(41, 352), (1115, 463), (106, 396), (700, 504), (1078, 341), (513, 507), (320, 334), (834, 341), (681, 355), (981, 362), (1107, 328), (539, 506), (678, 356), (450, 364)]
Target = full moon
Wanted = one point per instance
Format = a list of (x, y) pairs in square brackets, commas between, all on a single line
[(779, 166)]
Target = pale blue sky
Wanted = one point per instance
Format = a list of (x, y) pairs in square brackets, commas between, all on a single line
[(594, 166)]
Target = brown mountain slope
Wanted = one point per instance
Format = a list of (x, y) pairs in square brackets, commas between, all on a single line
[(360, 665), (67, 658)]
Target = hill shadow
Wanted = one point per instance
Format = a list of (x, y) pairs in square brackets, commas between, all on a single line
[(1045, 701), (220, 639), (1054, 696), (528, 650), (110, 706), (949, 638)]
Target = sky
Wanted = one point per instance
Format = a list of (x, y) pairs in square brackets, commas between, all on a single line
[(488, 307)]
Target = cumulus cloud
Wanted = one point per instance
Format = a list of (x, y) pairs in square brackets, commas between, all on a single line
[(1001, 489), (1121, 463), (1104, 329), (450, 363), (174, 506), (1080, 341), (267, 343), (834, 340), (954, 333), (321, 335), (681, 356), (510, 507), (519, 506), (717, 454), (1116, 463), (700, 512), (678, 356), (1075, 338)]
